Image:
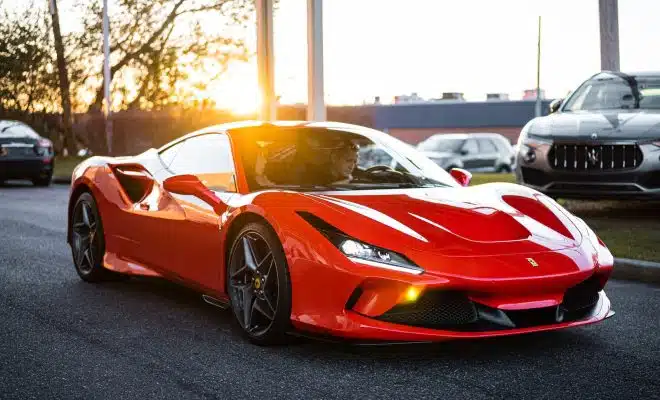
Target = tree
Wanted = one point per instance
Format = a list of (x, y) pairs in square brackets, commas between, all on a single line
[(159, 49), (28, 81), (63, 79)]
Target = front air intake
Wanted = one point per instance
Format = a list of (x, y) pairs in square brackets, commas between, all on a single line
[(434, 309)]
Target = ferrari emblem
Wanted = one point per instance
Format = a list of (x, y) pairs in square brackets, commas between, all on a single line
[(257, 283), (532, 262)]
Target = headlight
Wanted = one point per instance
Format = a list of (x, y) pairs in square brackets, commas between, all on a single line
[(529, 143), (364, 253), (360, 252)]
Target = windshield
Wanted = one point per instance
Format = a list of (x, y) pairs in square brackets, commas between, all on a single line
[(440, 144), (616, 93), (315, 158)]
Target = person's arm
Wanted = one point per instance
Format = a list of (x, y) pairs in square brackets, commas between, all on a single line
[(260, 171)]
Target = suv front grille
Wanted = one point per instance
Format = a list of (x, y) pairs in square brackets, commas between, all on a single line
[(592, 157)]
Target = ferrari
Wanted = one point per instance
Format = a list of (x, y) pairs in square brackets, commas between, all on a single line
[(339, 231)]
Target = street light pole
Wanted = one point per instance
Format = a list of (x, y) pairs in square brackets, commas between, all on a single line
[(315, 96), (608, 11), (106, 75), (265, 60), (537, 108)]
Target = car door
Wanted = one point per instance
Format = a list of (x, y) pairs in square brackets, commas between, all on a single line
[(470, 154), (189, 238), (488, 154)]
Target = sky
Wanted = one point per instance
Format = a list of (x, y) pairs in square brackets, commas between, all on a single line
[(392, 47)]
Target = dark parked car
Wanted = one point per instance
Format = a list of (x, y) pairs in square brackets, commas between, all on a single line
[(479, 152), (603, 141), (24, 154)]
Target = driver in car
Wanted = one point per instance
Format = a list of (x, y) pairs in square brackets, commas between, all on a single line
[(341, 163)]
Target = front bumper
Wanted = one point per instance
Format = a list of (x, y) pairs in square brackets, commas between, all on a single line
[(363, 305), (642, 182)]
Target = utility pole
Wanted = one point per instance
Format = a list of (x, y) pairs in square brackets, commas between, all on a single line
[(609, 35), (265, 60), (537, 108), (63, 78), (315, 97), (106, 76)]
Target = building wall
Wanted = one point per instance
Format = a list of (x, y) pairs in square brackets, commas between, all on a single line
[(416, 135)]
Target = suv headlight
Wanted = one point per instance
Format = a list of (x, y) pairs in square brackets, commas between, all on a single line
[(529, 143)]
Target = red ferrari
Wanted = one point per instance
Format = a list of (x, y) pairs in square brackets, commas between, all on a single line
[(336, 230)]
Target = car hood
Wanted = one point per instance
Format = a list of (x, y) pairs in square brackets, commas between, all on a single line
[(490, 219), (606, 124)]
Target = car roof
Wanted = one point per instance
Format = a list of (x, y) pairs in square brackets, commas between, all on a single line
[(6, 123), (238, 126), (467, 135), (639, 74)]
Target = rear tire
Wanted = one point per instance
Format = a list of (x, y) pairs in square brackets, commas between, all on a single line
[(257, 279), (42, 181), (503, 169), (88, 241)]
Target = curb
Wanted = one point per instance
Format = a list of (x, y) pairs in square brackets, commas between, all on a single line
[(636, 270)]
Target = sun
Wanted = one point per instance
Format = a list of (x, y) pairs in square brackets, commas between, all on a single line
[(237, 90)]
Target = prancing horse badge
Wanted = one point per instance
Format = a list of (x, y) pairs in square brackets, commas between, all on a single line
[(533, 262)]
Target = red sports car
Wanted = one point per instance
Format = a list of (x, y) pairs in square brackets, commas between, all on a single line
[(337, 230)]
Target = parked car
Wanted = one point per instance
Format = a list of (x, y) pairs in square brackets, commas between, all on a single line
[(478, 152), (24, 154), (603, 141)]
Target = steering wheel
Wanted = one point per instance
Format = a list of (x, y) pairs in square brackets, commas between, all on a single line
[(378, 168)]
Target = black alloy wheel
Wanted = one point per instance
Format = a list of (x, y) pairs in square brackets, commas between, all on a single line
[(88, 241), (258, 285)]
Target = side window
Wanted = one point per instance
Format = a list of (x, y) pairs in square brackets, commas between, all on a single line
[(168, 155), (486, 146), (209, 158), (470, 147)]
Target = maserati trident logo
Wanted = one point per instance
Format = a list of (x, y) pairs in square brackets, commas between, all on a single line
[(532, 262), (593, 157)]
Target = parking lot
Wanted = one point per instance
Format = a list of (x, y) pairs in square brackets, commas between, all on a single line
[(61, 337)]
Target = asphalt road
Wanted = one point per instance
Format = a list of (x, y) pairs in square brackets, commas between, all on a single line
[(62, 338)]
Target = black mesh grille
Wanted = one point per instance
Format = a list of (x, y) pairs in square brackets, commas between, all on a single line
[(588, 157), (433, 310), (582, 295)]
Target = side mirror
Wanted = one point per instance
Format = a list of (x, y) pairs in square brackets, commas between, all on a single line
[(464, 152), (461, 176), (192, 186), (555, 104)]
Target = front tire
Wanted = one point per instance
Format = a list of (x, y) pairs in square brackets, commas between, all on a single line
[(88, 241), (42, 181), (259, 285)]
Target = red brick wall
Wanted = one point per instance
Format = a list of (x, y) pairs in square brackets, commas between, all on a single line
[(414, 136)]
